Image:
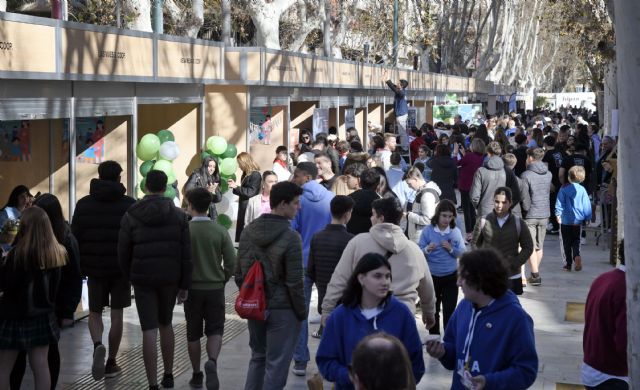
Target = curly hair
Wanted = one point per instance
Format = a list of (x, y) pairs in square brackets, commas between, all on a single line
[(485, 270)]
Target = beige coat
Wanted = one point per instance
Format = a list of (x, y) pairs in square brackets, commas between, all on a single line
[(410, 274)]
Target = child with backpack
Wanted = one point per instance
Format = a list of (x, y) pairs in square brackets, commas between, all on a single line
[(213, 264), (573, 207)]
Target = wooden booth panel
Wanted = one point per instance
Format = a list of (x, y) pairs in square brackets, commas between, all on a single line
[(254, 66), (26, 163), (226, 114), (346, 74), (184, 60), (20, 52), (112, 146), (94, 53), (182, 121), (232, 65), (283, 68), (316, 71)]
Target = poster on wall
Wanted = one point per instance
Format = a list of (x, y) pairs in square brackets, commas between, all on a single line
[(15, 141), (446, 112), (350, 118), (320, 121), (90, 144), (261, 125), (411, 117)]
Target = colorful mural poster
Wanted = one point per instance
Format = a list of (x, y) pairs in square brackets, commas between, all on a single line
[(261, 125), (15, 141), (469, 112), (90, 143)]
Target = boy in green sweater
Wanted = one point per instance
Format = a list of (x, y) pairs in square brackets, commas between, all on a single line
[(213, 259)]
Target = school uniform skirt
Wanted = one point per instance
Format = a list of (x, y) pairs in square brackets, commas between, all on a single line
[(24, 334)]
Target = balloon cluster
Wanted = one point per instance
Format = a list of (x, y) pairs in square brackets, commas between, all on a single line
[(225, 155), (158, 152)]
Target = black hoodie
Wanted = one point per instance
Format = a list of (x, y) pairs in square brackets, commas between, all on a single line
[(153, 245), (95, 224)]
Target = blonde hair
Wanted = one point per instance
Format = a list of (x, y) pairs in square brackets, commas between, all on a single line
[(36, 245), (246, 163), (414, 173), (478, 146), (576, 174), (340, 186), (510, 160)]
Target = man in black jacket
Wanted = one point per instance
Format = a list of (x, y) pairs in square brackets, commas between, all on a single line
[(95, 224), (327, 246), (154, 251)]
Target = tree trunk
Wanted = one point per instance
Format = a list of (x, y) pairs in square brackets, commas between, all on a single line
[(226, 22), (197, 7), (326, 31), (610, 95), (266, 19), (627, 14), (140, 10)]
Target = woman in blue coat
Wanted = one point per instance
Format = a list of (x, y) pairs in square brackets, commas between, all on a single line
[(367, 307)]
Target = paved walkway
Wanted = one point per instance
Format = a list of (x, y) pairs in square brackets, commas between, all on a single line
[(559, 342)]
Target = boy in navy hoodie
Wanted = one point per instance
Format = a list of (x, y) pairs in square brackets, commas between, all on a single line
[(573, 207), (489, 341)]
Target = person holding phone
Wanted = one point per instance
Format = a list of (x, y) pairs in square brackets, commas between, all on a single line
[(208, 177), (489, 340)]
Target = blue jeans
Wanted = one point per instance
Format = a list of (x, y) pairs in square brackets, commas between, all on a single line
[(301, 353)]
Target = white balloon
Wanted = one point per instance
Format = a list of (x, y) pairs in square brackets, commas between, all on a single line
[(169, 150), (223, 205)]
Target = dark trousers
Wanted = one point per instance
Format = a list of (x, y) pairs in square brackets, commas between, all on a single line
[(516, 286), (17, 374), (570, 239), (446, 295), (611, 384), (553, 195), (469, 211)]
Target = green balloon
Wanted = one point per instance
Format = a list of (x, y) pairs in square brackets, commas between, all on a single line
[(171, 178), (164, 166), (216, 144), (231, 151), (232, 177), (205, 154), (143, 186), (224, 186), (170, 192), (146, 167), (224, 220), (165, 135), (228, 166), (148, 147)]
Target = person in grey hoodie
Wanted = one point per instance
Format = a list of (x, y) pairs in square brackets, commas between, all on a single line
[(537, 186), (487, 179)]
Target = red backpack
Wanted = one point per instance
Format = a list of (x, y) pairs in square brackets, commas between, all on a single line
[(251, 302)]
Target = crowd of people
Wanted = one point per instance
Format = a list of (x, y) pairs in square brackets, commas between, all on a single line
[(376, 231)]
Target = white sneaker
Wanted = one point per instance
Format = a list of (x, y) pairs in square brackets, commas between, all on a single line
[(583, 241)]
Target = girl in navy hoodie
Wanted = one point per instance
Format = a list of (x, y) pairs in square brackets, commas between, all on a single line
[(489, 341), (367, 306)]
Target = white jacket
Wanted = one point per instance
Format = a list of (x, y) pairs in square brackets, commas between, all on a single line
[(281, 172), (422, 212)]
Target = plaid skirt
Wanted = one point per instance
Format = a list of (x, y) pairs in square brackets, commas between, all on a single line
[(29, 333)]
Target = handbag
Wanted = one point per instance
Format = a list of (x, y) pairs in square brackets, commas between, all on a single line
[(251, 302)]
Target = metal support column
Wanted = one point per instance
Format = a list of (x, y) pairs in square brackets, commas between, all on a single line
[(133, 141), (52, 160), (72, 157)]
